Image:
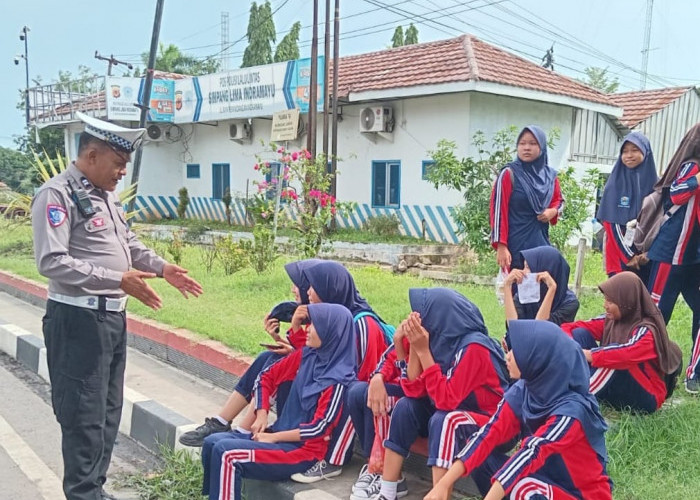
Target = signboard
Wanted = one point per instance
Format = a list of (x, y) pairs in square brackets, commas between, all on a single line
[(247, 92), (123, 93), (284, 125)]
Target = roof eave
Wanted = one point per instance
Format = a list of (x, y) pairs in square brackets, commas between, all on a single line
[(486, 87)]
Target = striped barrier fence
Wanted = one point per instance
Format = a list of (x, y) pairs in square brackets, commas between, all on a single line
[(432, 222)]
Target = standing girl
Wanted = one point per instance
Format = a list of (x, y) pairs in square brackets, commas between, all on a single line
[(562, 455), (675, 253), (632, 178), (525, 200), (320, 373)]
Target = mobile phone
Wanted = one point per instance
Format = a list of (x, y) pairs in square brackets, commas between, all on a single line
[(274, 347)]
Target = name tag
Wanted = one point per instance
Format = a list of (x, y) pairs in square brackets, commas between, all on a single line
[(95, 224)]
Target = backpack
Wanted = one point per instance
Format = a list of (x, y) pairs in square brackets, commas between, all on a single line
[(650, 219), (388, 330)]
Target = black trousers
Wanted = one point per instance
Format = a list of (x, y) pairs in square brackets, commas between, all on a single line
[(86, 355)]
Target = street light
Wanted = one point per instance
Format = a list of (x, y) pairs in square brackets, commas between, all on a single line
[(23, 36)]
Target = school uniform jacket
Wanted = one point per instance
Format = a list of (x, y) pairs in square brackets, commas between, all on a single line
[(471, 383), (512, 217), (559, 435), (315, 433), (617, 253), (638, 356), (678, 241)]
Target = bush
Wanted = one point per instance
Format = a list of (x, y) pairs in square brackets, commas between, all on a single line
[(226, 199), (261, 251), (208, 255), (176, 246), (232, 255), (579, 195), (383, 225), (184, 201)]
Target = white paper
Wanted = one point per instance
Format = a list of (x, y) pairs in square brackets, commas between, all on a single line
[(529, 289)]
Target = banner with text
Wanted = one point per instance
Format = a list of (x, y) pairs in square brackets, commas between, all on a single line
[(247, 92), (124, 93)]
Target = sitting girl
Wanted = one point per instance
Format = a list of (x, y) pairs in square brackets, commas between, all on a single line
[(320, 373), (556, 302), (563, 455), (239, 398), (635, 360), (330, 282), (452, 365)]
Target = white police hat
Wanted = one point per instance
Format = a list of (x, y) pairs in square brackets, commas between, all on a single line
[(124, 139)]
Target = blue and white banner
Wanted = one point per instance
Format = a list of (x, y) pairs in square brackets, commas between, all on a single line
[(124, 93), (247, 92)]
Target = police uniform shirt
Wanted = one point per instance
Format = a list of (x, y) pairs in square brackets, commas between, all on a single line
[(85, 255)]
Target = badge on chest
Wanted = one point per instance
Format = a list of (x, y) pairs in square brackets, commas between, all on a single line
[(95, 224)]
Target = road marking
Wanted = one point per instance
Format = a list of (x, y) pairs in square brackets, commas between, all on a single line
[(40, 475)]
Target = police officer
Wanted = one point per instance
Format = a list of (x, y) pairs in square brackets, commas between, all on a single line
[(93, 261)]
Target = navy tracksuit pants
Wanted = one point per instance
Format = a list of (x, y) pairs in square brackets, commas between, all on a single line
[(228, 457)]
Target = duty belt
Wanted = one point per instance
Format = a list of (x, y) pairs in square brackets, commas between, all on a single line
[(90, 301)]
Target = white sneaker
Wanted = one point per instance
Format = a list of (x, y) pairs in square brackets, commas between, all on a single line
[(372, 492), (363, 479), (366, 487)]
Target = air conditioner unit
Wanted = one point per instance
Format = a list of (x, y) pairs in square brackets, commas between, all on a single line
[(155, 133), (377, 119), (240, 130)]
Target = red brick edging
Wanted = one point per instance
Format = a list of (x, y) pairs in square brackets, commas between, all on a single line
[(208, 351)]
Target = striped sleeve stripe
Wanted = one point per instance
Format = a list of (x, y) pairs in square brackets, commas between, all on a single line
[(641, 331), (556, 431), (621, 240), (455, 363), (334, 406), (472, 444), (382, 360), (362, 332), (495, 236), (257, 393)]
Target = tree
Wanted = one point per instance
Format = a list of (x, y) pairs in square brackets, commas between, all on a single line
[(411, 35), (288, 48), (397, 39), (261, 35), (171, 59), (599, 79), (15, 170)]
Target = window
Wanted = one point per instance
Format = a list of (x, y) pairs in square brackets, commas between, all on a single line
[(193, 170), (386, 183), (274, 173), (427, 164), (221, 179)]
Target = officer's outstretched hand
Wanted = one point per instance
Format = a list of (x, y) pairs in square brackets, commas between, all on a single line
[(177, 277), (134, 284)]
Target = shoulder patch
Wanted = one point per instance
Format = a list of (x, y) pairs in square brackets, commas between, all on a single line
[(56, 214)]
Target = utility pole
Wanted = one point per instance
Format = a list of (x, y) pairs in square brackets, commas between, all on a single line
[(224, 41), (23, 36), (647, 40), (311, 137), (334, 93), (148, 84), (112, 61), (326, 54)]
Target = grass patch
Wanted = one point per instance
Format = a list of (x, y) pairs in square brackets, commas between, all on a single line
[(650, 457), (180, 478)]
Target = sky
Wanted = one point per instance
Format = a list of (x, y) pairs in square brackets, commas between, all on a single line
[(602, 33)]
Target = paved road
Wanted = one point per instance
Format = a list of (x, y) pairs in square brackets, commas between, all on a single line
[(30, 441)]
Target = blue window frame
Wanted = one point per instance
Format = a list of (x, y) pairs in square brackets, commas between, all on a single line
[(386, 183), (193, 170), (221, 179), (425, 168)]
